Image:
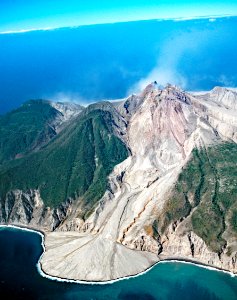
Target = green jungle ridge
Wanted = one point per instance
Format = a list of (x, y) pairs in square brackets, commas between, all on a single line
[(73, 164)]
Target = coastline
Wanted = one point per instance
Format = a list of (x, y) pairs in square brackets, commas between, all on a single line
[(165, 260)]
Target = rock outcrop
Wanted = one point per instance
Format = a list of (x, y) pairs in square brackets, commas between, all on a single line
[(28, 209), (190, 247), (67, 111)]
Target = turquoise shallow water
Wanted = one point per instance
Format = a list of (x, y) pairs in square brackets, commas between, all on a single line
[(19, 278)]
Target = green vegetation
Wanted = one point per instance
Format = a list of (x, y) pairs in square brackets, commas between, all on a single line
[(186, 191), (155, 229), (234, 220), (74, 164), (25, 128), (208, 186)]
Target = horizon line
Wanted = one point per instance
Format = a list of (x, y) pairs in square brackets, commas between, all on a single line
[(211, 18)]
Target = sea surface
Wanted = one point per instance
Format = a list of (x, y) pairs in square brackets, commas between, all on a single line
[(19, 277), (92, 63)]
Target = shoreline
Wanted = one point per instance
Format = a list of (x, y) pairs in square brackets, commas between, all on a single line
[(75, 281)]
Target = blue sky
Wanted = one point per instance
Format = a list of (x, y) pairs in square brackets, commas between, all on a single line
[(16, 15)]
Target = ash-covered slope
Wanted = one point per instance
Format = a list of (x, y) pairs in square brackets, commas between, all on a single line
[(174, 196)]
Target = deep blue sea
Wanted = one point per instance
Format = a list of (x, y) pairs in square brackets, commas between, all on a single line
[(19, 278), (91, 63)]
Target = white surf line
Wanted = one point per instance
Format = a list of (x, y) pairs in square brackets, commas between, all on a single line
[(171, 260)]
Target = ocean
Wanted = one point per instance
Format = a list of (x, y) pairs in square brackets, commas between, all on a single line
[(20, 279), (111, 61)]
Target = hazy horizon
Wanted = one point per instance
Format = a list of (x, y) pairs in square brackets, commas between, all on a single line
[(24, 15)]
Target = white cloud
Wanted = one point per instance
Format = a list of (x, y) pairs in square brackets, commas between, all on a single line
[(67, 97), (226, 81), (162, 75), (211, 18), (27, 30), (166, 68)]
